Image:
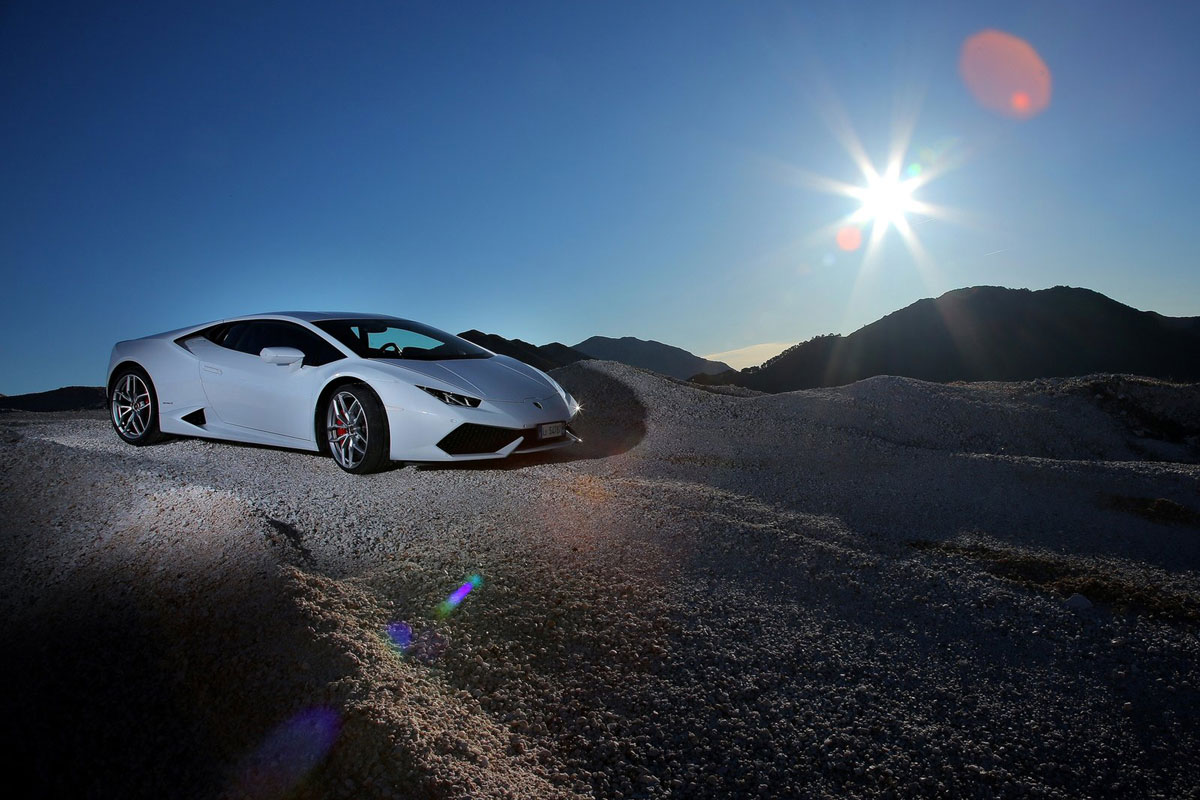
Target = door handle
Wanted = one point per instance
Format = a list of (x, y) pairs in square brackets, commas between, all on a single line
[(212, 369)]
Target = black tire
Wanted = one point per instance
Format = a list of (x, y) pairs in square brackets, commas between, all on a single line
[(133, 407), (345, 442)]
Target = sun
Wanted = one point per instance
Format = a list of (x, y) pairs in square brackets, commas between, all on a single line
[(886, 199)]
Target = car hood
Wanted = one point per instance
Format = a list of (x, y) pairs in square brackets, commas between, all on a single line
[(498, 378)]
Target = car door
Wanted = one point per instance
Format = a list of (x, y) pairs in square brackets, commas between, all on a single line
[(246, 391)]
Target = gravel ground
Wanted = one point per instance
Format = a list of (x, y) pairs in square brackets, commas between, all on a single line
[(889, 589)]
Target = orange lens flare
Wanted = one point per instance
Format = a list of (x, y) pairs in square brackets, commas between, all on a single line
[(849, 238), (1005, 74)]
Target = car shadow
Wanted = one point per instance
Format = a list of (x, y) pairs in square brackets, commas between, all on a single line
[(612, 421), (176, 439)]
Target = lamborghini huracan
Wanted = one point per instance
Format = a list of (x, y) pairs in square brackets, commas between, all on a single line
[(366, 389)]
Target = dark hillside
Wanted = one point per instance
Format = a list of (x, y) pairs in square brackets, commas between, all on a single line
[(68, 398), (662, 358), (547, 357), (993, 333)]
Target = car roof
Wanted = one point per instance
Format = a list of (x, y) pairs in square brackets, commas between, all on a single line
[(314, 316), (301, 316)]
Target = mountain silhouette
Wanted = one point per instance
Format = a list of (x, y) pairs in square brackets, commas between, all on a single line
[(662, 358), (545, 357), (990, 333), (68, 398)]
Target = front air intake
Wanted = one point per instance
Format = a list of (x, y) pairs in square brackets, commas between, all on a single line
[(472, 439), (469, 439)]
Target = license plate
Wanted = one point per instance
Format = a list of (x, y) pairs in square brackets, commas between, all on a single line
[(550, 430)]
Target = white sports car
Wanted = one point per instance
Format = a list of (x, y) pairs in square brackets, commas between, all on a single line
[(364, 388)]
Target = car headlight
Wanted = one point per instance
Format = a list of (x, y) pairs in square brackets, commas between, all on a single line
[(452, 399)]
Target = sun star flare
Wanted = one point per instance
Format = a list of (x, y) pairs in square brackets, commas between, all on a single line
[(886, 199)]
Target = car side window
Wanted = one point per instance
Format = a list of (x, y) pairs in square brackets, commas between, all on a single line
[(228, 338), (252, 337), (245, 337)]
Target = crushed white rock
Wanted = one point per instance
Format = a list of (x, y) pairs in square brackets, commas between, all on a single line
[(716, 595)]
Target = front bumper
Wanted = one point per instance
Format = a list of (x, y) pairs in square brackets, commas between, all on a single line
[(493, 430)]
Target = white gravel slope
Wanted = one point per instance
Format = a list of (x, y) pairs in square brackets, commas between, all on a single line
[(856, 592)]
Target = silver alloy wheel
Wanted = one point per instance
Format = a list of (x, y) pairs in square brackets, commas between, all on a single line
[(346, 423), (131, 407)]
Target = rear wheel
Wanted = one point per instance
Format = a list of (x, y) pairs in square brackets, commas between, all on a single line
[(356, 429), (133, 406)]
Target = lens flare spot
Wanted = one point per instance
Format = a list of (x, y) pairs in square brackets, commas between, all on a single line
[(288, 754), (938, 154), (400, 635), (1005, 74), (913, 170), (849, 238), (458, 595)]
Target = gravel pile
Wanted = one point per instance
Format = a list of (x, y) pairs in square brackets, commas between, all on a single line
[(870, 591)]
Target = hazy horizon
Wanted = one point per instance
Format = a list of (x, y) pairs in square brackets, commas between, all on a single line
[(552, 172), (739, 358)]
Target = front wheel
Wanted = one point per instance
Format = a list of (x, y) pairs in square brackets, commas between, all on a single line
[(133, 405), (356, 429)]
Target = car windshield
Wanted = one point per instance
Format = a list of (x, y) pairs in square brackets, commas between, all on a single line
[(395, 338)]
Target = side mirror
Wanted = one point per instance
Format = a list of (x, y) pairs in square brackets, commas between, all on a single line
[(282, 356)]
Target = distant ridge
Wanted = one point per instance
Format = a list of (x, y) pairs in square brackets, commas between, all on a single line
[(990, 333), (662, 358), (561, 355), (545, 357), (68, 398)]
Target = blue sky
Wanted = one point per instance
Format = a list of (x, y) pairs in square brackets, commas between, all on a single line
[(552, 171)]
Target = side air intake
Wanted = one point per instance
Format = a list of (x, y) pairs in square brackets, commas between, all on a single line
[(195, 418)]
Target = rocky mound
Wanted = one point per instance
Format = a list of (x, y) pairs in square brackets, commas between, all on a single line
[(891, 588)]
